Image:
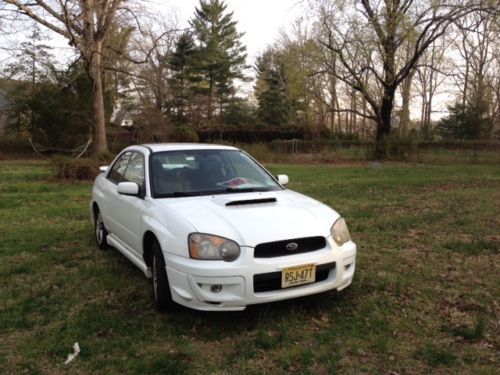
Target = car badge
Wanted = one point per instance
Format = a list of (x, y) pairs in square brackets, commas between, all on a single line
[(292, 246)]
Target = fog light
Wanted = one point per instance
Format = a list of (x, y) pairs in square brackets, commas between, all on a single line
[(216, 288)]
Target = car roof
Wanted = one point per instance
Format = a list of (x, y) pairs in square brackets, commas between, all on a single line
[(158, 147)]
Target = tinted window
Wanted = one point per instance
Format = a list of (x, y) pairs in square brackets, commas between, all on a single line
[(117, 173)]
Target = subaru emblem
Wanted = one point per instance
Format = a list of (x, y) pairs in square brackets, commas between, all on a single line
[(292, 246)]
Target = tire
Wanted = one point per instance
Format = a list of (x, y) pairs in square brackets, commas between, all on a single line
[(161, 287), (100, 231)]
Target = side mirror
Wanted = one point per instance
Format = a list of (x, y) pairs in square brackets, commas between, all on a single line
[(283, 179), (103, 168), (128, 188)]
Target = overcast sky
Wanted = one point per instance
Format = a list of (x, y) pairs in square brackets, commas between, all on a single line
[(260, 20)]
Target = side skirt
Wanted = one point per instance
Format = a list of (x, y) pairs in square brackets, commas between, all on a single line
[(129, 253)]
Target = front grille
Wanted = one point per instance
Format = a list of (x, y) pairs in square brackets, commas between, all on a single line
[(267, 282), (279, 248)]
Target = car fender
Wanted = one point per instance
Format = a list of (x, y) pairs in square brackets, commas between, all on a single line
[(170, 230)]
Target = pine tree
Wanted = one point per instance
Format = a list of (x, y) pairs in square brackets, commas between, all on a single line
[(472, 119), (220, 56), (34, 61), (181, 64), (466, 122), (270, 90), (32, 69)]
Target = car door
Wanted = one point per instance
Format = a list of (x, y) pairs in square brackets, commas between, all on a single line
[(109, 193), (128, 210)]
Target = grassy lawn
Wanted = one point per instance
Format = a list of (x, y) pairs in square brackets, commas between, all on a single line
[(425, 296)]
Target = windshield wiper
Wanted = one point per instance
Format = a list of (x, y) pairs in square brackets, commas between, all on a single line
[(176, 194), (179, 194), (247, 189)]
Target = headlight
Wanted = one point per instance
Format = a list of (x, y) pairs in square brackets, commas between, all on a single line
[(339, 232), (208, 247)]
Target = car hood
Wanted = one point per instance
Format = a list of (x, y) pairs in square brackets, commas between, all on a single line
[(253, 218)]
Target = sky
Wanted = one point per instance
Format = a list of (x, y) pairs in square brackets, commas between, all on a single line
[(260, 20)]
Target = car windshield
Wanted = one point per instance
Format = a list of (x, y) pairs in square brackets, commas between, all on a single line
[(202, 172)]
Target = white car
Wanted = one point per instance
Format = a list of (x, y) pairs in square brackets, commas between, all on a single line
[(215, 230)]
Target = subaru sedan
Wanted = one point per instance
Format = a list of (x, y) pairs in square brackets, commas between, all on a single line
[(214, 230)]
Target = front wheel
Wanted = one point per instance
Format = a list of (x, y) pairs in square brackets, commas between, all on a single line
[(100, 232), (161, 287)]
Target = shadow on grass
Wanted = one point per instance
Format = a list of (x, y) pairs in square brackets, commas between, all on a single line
[(208, 325)]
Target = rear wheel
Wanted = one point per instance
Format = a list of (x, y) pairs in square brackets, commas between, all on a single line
[(100, 232), (161, 287)]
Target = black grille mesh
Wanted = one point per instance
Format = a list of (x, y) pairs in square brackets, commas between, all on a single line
[(278, 248)]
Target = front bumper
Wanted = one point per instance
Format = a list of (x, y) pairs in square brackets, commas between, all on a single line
[(191, 280)]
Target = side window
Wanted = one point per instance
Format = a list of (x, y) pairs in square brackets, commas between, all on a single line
[(135, 169), (117, 173)]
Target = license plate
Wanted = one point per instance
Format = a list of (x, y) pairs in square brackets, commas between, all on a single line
[(298, 275)]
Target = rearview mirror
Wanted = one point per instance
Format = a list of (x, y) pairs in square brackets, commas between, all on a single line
[(283, 179), (128, 188)]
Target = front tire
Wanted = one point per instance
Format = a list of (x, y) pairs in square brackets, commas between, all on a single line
[(100, 232), (161, 287)]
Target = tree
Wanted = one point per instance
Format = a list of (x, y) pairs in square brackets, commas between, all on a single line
[(33, 61), (298, 55), (379, 30), (181, 63), (406, 96), (85, 23), (57, 110), (466, 122), (33, 64), (117, 68), (477, 72), (270, 89), (240, 112), (220, 56), (430, 79), (287, 89)]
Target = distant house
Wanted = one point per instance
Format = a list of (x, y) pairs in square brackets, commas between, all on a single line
[(122, 117), (4, 104)]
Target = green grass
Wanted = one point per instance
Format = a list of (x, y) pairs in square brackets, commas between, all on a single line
[(425, 295), (278, 153)]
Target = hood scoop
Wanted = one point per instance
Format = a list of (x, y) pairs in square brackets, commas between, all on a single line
[(251, 201)]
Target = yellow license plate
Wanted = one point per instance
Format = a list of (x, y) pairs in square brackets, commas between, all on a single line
[(298, 275)]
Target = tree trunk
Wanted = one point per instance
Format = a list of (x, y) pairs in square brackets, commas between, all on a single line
[(210, 99), (333, 84), (423, 111), (100, 142), (405, 96), (334, 100), (427, 134), (405, 110), (354, 108), (365, 103), (384, 121)]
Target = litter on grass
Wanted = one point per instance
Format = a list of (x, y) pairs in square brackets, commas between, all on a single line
[(72, 356)]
